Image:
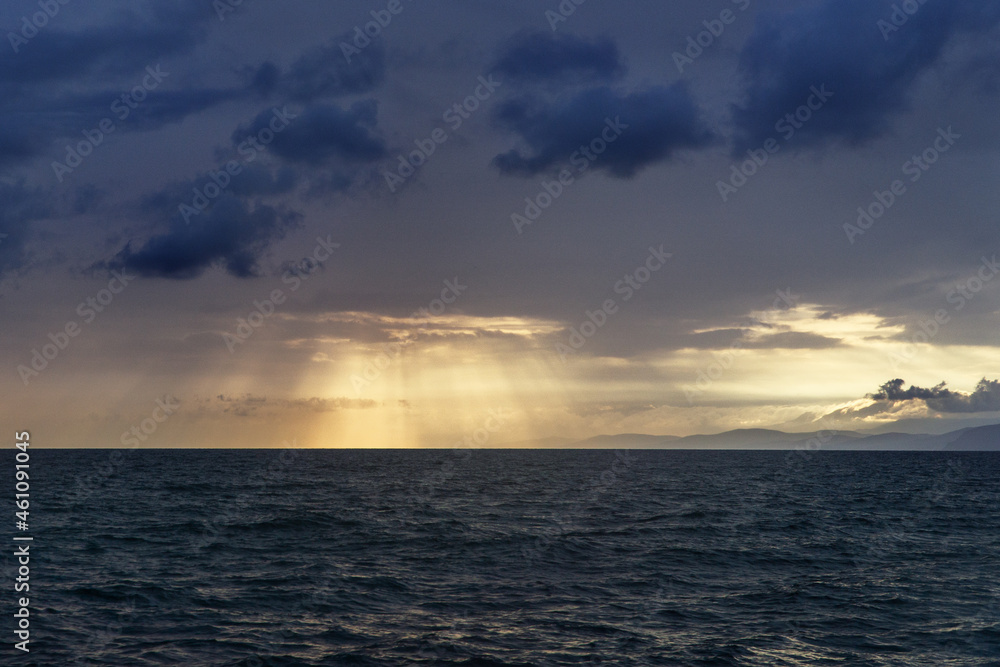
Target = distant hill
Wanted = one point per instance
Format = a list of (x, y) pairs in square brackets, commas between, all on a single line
[(980, 438), (626, 441), (755, 438), (891, 441)]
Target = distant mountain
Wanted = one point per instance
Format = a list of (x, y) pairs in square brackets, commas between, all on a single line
[(889, 441), (924, 425), (980, 438), (756, 438), (626, 441)]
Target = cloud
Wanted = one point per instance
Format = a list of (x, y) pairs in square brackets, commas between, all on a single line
[(324, 72), (64, 82), (254, 180), (893, 391), (236, 229), (170, 106), (106, 62), (160, 107), (657, 122), (536, 57), (87, 199), (19, 205), (323, 135), (840, 44), (794, 340), (257, 180), (248, 405), (139, 37), (230, 233), (787, 340), (985, 397), (265, 79)]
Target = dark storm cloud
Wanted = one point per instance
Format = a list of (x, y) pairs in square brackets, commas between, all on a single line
[(130, 53), (235, 232), (105, 62), (64, 82), (983, 70), (254, 180), (324, 72), (231, 233), (19, 140), (558, 58), (158, 108), (265, 79), (169, 106), (55, 116), (660, 121), (19, 205), (321, 72), (869, 68), (985, 397), (324, 135), (87, 198), (135, 39)]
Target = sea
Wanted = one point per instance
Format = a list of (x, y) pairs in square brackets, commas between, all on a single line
[(495, 558)]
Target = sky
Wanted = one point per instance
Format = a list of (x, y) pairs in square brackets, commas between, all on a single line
[(406, 223)]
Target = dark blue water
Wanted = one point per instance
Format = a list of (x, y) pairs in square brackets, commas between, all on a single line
[(513, 558)]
